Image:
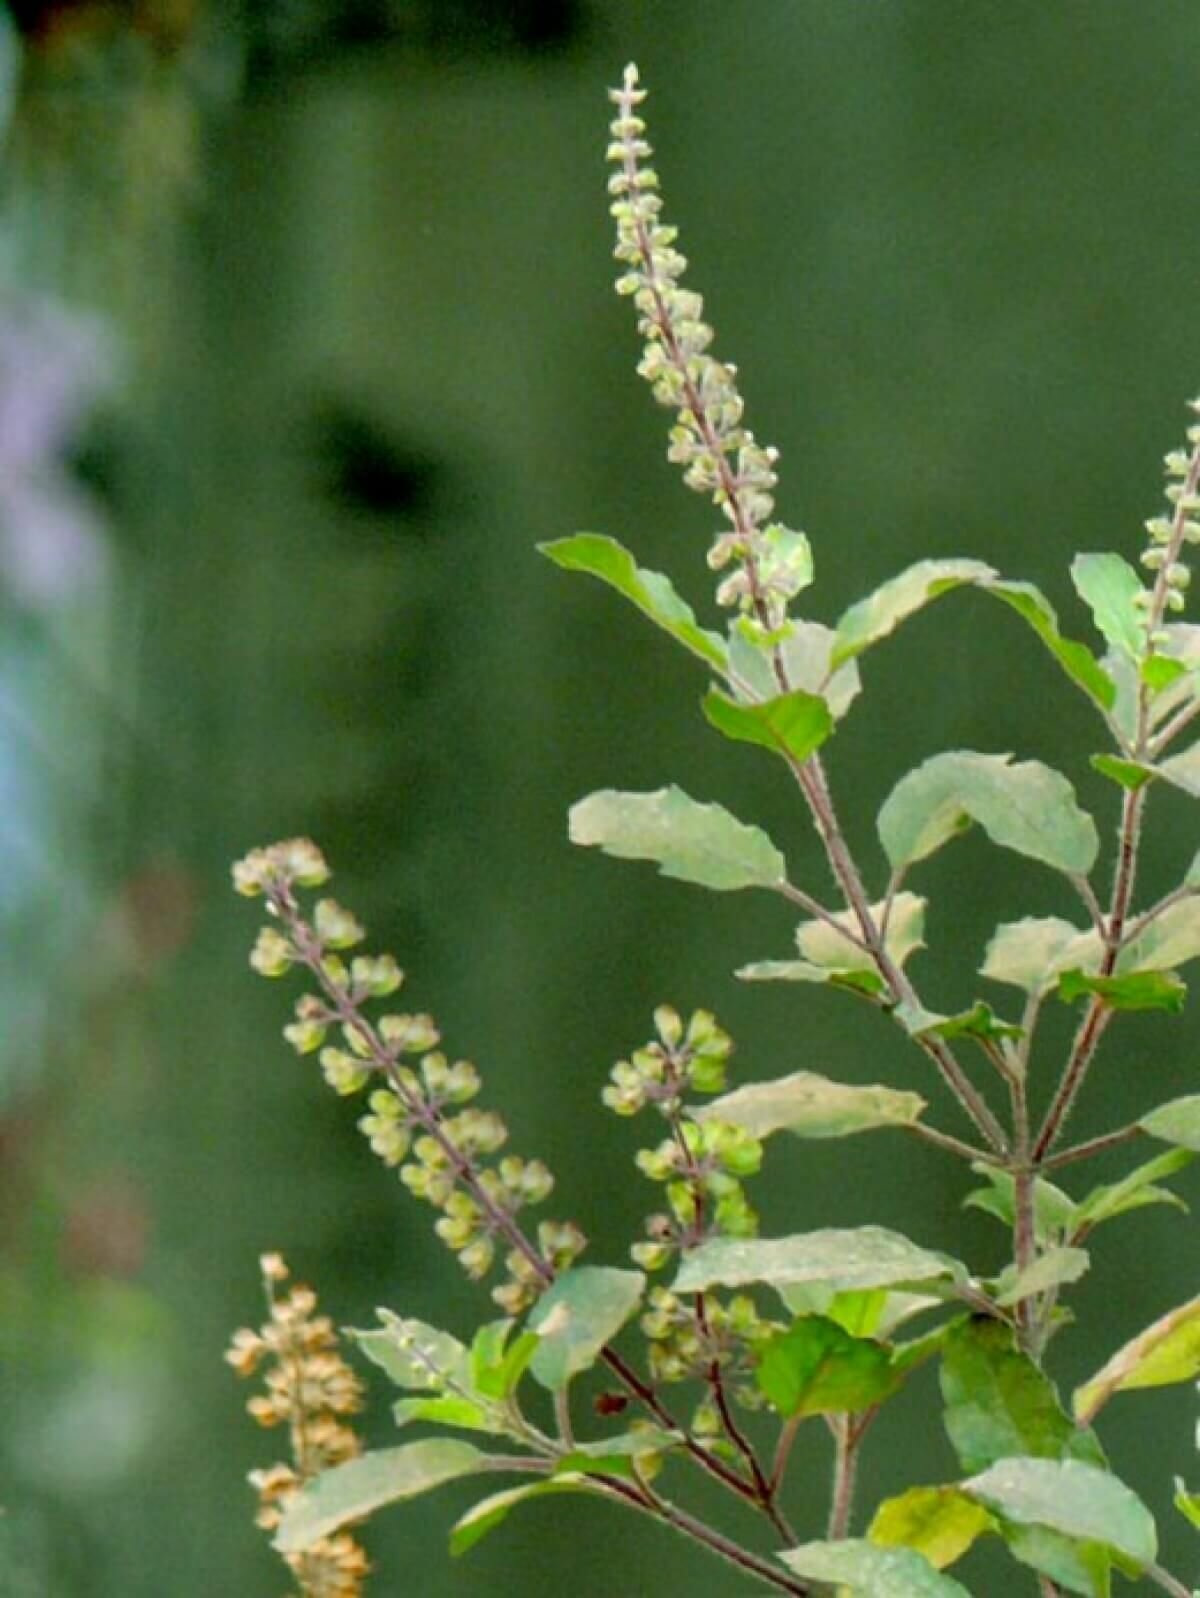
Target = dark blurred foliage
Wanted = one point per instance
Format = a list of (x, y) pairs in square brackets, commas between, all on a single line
[(335, 356)]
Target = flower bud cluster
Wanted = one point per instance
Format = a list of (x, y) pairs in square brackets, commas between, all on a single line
[(308, 1388), (720, 457), (677, 1062), (1168, 535), (688, 1339), (702, 1167), (420, 1118)]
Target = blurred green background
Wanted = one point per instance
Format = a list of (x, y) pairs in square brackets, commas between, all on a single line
[(306, 337)]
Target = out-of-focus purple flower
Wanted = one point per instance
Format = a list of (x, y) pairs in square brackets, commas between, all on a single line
[(55, 363)]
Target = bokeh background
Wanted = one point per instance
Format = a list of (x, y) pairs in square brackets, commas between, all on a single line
[(306, 338)]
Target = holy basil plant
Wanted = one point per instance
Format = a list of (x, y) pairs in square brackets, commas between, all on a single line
[(715, 1345)]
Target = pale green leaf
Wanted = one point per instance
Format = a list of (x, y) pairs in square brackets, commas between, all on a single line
[(1051, 1269), (866, 1571), (939, 1522), (490, 1512), (792, 725), (979, 1021), (869, 983), (823, 945), (1133, 1191), (1170, 940), (362, 1485), (448, 1409), (844, 1258), (1109, 586), (1074, 1565), (651, 592), (1027, 807), (812, 1106), (1030, 954), (873, 618), (807, 653), (695, 842), (1176, 1122), (413, 1354), (1075, 658), (1070, 1497), (1168, 1351), (583, 1309)]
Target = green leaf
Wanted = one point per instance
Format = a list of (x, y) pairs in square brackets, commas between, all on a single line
[(583, 1309), (998, 1403), (1054, 1212), (601, 1454), (980, 1021), (1133, 1191), (1030, 954), (1051, 1269), (1159, 672), (868, 983), (812, 1106), (448, 1409), (1171, 939), (1075, 659), (1177, 1122), (1131, 774), (1077, 1499), (1138, 990), (866, 1571), (1168, 1351), (873, 618), (863, 1312), (651, 592), (1109, 585), (818, 1368), (489, 1512), (807, 652), (844, 1258), (355, 1489), (1027, 807), (792, 725), (1074, 1566), (1188, 1504), (1183, 770), (695, 842), (496, 1368), (412, 1353), (939, 1522)]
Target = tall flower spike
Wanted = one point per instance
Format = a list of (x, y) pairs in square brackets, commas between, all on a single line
[(770, 563), (1168, 535)]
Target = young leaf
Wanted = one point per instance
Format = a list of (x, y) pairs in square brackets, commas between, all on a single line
[(1131, 774), (1168, 1351), (1075, 658), (1077, 1499), (1133, 1191), (651, 592), (807, 652), (864, 1570), (980, 1021), (939, 1522), (1027, 807), (413, 1354), (489, 1512), (1188, 1504), (1108, 585), (857, 1257), (1029, 954), (577, 1315), (1138, 990), (1051, 1269), (998, 1403), (873, 618), (362, 1485), (817, 1368), (1176, 1122), (497, 1368), (695, 842), (447, 1409), (792, 725), (812, 1106), (1054, 1213)]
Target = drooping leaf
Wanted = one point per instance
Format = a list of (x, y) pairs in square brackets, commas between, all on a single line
[(412, 1353), (355, 1489), (818, 1368), (1069, 1496), (812, 1106), (1131, 774), (874, 617), (490, 1512), (998, 1403), (807, 652), (651, 592), (939, 1522), (1054, 1212), (1171, 939), (1176, 1122), (1138, 990), (1030, 954), (1075, 658), (1133, 1191), (1051, 1269), (793, 725), (1108, 585), (695, 842), (583, 1309), (1168, 1351), (844, 1258), (1027, 807), (864, 1570)]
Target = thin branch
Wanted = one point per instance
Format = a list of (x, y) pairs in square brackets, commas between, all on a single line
[(1164, 1579), (1138, 925), (783, 1450), (952, 1145), (819, 912), (1094, 1145)]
